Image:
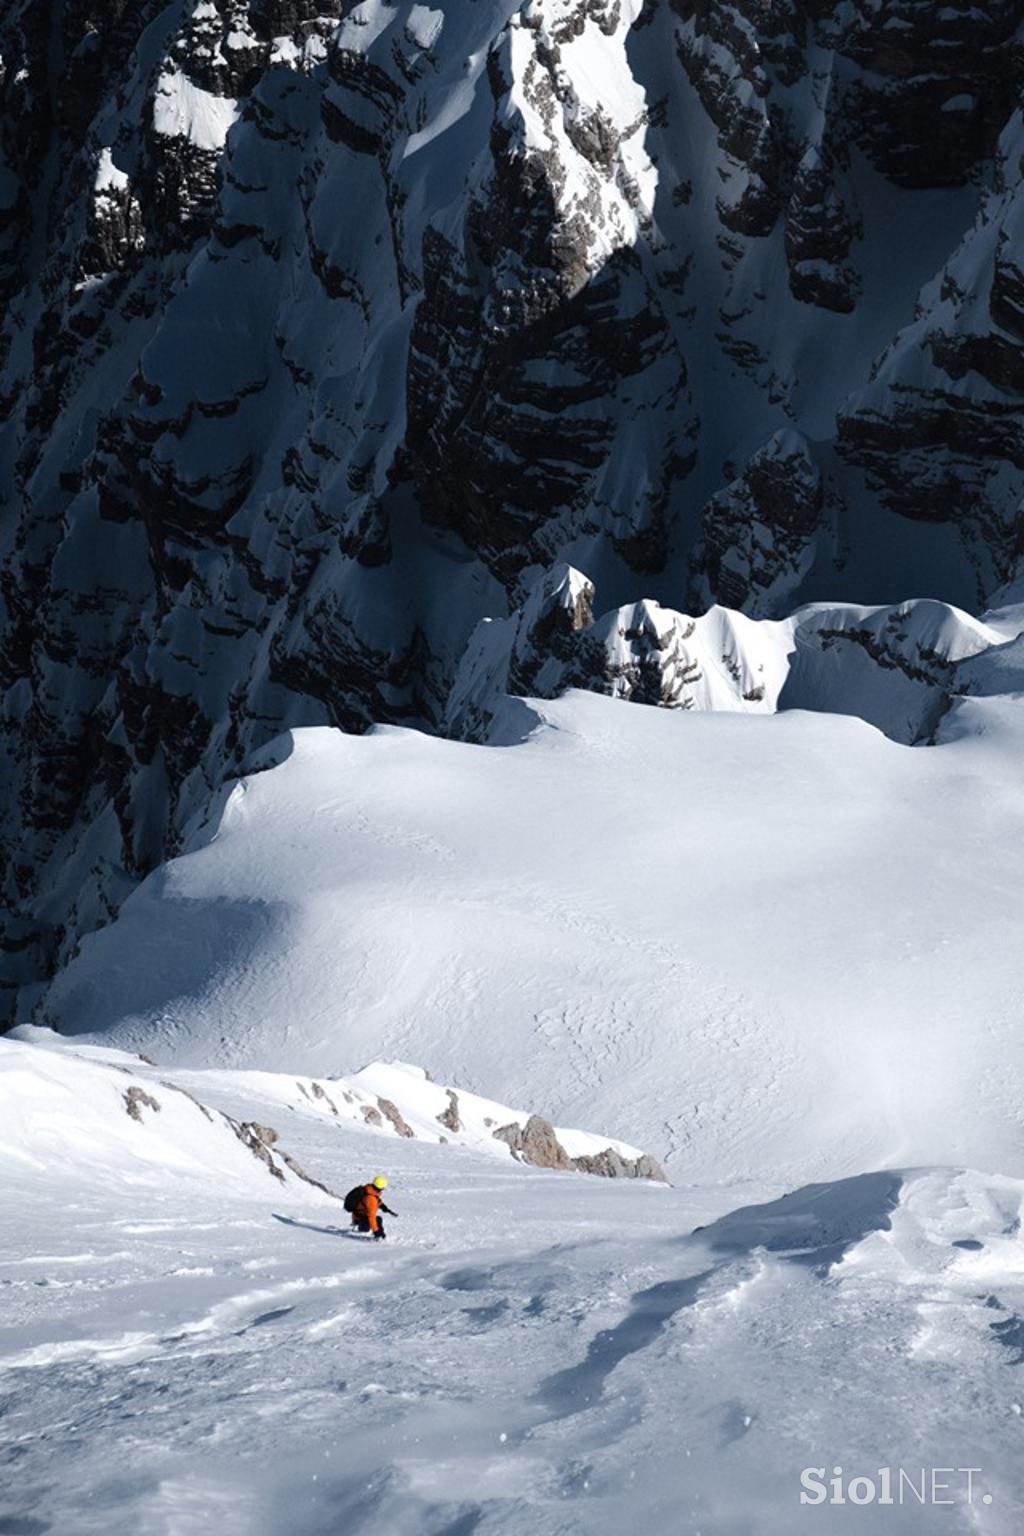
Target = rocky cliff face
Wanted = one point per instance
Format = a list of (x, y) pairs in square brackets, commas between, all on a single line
[(327, 328)]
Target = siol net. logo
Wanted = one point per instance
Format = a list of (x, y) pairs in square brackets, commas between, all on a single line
[(892, 1486)]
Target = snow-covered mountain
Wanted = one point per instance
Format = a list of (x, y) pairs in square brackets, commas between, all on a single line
[(331, 331), (389, 393)]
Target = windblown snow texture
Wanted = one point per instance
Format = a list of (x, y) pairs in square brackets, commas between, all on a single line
[(528, 1348), (328, 329)]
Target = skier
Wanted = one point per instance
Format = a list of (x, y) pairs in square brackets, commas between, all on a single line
[(365, 1204)]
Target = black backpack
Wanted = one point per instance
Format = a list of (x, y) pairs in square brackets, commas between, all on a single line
[(355, 1198)]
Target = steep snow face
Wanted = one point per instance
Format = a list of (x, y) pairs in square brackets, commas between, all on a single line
[(527, 1347), (328, 328), (741, 941)]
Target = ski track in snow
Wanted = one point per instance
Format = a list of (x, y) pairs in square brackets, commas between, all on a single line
[(696, 932), (527, 1348), (770, 951)]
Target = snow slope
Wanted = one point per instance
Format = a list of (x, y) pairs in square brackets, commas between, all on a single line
[(334, 339), (527, 1350), (395, 1099), (758, 946), (776, 950)]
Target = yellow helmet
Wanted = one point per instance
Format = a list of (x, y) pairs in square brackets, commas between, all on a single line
[(380, 1182)]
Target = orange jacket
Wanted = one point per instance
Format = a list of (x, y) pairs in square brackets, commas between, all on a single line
[(369, 1207)]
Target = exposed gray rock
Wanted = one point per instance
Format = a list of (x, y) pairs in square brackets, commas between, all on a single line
[(319, 1092), (610, 1164), (265, 1134), (391, 1112), (449, 1117), (135, 1099), (535, 1143)]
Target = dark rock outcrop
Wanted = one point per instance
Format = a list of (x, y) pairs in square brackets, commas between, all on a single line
[(758, 533)]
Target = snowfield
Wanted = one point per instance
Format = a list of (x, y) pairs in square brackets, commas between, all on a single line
[(779, 953), (189, 1344), (762, 948), (467, 370)]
